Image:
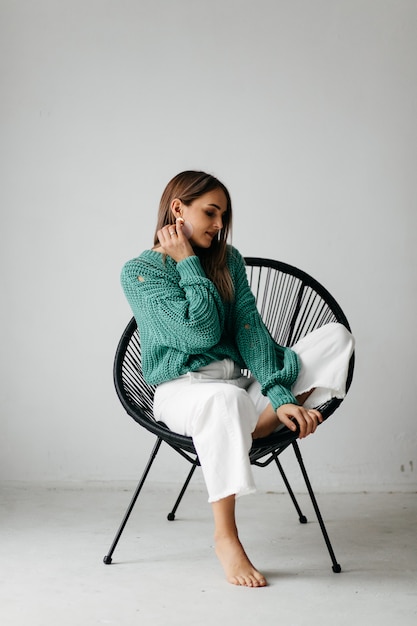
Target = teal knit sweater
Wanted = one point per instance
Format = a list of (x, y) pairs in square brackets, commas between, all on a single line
[(184, 324)]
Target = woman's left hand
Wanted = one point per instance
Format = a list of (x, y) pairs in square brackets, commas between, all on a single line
[(307, 419)]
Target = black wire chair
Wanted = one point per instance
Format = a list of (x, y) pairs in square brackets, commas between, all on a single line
[(292, 304)]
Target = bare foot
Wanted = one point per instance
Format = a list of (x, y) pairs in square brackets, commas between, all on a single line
[(238, 569)]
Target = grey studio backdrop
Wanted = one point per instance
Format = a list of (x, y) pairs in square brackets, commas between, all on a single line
[(305, 109)]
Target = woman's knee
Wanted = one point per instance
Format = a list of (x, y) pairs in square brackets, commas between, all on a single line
[(233, 405)]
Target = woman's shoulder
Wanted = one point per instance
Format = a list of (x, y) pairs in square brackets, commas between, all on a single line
[(234, 257), (149, 257), (147, 260)]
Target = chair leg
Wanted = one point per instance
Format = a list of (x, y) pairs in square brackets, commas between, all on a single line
[(335, 567), (171, 515), (301, 517), (108, 558)]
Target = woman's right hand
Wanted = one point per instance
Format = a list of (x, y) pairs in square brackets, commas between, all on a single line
[(173, 241)]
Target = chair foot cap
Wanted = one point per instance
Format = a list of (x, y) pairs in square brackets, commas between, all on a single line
[(303, 519), (171, 517), (336, 568), (107, 560)]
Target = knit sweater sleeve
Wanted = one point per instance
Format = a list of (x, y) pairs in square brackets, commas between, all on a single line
[(175, 304), (275, 367)]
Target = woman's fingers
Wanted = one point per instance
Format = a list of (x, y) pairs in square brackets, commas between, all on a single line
[(173, 231), (173, 242), (307, 420), (311, 419)]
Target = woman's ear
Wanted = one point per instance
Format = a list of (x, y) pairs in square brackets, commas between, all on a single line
[(176, 207)]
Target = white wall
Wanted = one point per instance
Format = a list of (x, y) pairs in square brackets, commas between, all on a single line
[(306, 109)]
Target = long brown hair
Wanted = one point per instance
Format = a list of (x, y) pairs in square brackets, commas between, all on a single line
[(187, 187)]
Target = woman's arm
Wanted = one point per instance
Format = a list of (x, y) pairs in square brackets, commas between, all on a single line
[(274, 366), (174, 303)]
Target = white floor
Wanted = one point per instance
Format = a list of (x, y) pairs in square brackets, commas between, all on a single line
[(165, 573)]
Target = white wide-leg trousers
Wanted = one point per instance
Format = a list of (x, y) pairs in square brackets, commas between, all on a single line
[(219, 408)]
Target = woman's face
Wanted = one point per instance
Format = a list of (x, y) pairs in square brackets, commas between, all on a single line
[(206, 216)]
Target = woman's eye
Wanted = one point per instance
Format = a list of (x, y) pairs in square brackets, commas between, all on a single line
[(210, 213)]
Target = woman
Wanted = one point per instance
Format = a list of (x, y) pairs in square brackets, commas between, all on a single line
[(199, 327)]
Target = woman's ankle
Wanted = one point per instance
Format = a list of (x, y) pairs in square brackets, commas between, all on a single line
[(268, 421)]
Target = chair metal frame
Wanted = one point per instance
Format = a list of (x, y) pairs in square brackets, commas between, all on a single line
[(292, 303)]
